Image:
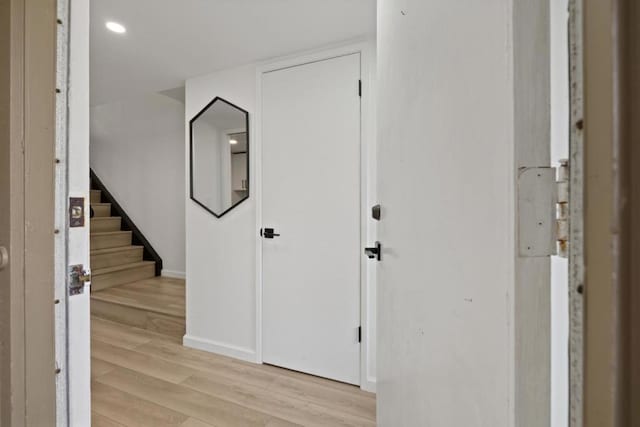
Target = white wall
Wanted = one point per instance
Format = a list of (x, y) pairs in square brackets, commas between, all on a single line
[(559, 266), (137, 151), (221, 253)]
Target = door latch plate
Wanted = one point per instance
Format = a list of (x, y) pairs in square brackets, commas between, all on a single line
[(374, 252), (76, 211)]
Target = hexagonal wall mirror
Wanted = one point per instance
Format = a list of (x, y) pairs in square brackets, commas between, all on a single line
[(219, 151)]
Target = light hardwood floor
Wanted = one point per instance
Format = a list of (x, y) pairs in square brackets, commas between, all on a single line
[(142, 378), (156, 304)]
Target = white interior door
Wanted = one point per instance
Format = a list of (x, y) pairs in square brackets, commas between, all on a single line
[(311, 198)]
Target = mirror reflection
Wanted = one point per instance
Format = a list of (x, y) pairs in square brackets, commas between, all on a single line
[(220, 157)]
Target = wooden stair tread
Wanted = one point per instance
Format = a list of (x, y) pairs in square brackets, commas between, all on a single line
[(110, 239), (115, 250), (146, 305), (147, 295), (105, 218), (108, 270), (100, 204), (110, 233)]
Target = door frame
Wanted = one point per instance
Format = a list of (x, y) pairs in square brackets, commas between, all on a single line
[(27, 109), (610, 372), (366, 49), (626, 61)]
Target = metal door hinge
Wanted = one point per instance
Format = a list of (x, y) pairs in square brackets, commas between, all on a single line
[(359, 333), (562, 209), (543, 210), (360, 88), (78, 276), (536, 211)]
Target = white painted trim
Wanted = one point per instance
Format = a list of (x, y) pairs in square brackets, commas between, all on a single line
[(530, 302), (366, 49), (301, 58), (61, 248), (255, 165), (368, 199), (174, 274), (241, 353)]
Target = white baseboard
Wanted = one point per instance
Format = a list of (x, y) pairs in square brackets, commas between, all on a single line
[(369, 384), (219, 348), (174, 274)]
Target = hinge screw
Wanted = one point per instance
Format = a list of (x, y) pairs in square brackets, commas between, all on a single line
[(59, 21), (58, 370), (57, 301), (580, 289), (580, 124), (58, 90), (57, 160), (56, 231)]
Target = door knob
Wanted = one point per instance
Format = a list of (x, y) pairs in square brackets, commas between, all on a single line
[(268, 233), (374, 252)]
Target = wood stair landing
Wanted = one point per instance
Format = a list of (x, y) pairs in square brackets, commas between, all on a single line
[(156, 304), (114, 260), (103, 278)]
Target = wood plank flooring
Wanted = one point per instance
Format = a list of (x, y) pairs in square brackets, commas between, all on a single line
[(143, 378), (156, 304)]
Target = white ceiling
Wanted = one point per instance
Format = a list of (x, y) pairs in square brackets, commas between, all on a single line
[(168, 41)]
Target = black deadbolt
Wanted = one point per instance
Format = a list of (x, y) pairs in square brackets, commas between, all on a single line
[(268, 233)]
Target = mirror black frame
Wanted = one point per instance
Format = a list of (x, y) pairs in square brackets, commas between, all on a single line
[(191, 122)]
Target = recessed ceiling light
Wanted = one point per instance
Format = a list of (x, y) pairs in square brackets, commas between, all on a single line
[(116, 28), (233, 142)]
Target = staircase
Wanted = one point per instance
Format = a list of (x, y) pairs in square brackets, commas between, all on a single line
[(114, 259), (124, 286)]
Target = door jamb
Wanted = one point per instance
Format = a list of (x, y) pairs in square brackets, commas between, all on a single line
[(61, 224), (576, 214), (366, 50)]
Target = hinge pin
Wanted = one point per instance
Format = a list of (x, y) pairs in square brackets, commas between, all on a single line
[(562, 209)]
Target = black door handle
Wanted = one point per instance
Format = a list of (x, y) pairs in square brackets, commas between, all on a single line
[(374, 252), (268, 233)]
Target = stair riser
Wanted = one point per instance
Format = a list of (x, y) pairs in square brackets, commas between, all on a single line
[(107, 224), (115, 241), (117, 278), (101, 211), (95, 196), (126, 256)]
